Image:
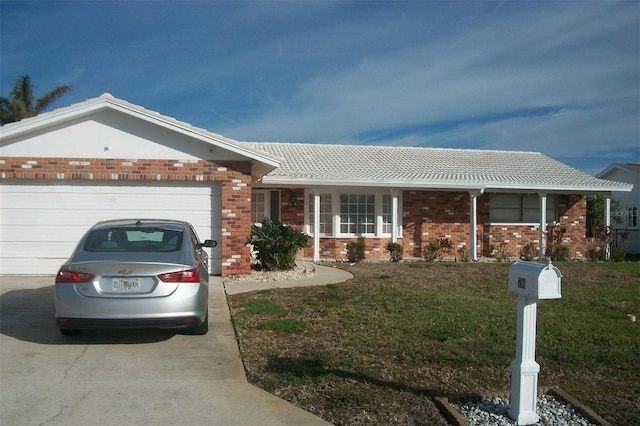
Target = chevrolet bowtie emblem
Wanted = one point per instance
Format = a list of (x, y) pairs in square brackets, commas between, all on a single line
[(125, 271)]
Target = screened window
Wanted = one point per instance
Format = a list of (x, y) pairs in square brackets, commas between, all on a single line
[(258, 206), (632, 217), (326, 214), (518, 208), (357, 214)]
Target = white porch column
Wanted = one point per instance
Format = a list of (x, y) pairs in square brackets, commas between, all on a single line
[(316, 226), (473, 218), (394, 216), (543, 225), (607, 224)]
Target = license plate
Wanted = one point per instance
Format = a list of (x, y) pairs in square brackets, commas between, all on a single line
[(126, 284)]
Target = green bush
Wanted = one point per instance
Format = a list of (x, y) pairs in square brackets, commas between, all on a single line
[(529, 252), (277, 244), (396, 250), (355, 251), (617, 254), (560, 253), (437, 249), (463, 254)]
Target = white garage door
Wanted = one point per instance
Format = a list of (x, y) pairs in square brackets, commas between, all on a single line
[(41, 224)]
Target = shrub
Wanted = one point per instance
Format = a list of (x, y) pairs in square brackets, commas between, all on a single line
[(463, 254), (277, 244), (437, 249), (529, 252), (560, 252), (355, 251), (595, 254), (396, 250), (617, 254)]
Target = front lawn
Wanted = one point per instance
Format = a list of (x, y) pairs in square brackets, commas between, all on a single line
[(378, 348)]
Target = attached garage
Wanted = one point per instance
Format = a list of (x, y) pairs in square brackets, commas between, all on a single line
[(41, 223), (63, 171)]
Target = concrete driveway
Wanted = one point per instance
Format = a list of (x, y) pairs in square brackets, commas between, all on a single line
[(150, 377)]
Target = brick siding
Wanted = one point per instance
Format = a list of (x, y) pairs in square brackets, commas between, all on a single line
[(431, 215)]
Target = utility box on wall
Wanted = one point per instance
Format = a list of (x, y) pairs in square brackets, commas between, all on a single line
[(535, 280)]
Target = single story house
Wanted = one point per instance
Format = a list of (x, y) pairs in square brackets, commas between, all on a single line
[(62, 171), (627, 233)]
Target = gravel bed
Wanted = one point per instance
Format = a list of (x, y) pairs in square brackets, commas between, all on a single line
[(299, 272), (551, 410)]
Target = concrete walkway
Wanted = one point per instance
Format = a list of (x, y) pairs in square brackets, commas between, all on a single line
[(138, 377), (324, 275)]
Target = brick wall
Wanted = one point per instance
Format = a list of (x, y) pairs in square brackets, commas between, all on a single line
[(431, 215), (234, 177), (510, 240)]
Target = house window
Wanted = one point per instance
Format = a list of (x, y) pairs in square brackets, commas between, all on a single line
[(258, 206), (352, 214), (265, 204), (387, 214), (357, 214), (326, 214), (520, 208), (632, 217)]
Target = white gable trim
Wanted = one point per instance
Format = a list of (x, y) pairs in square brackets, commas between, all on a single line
[(106, 101)]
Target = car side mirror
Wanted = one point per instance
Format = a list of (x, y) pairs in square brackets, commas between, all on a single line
[(210, 243)]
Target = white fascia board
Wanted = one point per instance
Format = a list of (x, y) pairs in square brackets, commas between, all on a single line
[(275, 181), (560, 188), (267, 180)]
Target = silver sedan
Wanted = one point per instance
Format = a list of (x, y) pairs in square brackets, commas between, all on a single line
[(138, 273)]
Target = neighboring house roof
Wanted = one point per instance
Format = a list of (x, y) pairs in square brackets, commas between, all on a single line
[(107, 101), (438, 168), (629, 167)]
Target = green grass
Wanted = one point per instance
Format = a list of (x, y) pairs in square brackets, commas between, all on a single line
[(398, 334)]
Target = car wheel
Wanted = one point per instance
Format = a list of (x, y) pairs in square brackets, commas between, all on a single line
[(69, 331), (202, 328)]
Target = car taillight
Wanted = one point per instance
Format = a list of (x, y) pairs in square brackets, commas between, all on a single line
[(66, 276), (188, 276)]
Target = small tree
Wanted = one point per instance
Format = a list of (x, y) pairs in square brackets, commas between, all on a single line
[(596, 227), (277, 244), (596, 211)]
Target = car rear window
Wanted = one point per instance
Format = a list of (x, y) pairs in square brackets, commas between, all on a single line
[(133, 240)]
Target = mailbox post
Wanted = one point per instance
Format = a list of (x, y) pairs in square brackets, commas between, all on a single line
[(531, 282)]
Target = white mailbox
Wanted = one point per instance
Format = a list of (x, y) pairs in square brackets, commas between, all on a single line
[(535, 280)]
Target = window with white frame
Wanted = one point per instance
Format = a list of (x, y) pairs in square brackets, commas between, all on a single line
[(326, 214), (632, 217), (351, 213), (387, 214), (520, 208), (357, 214), (265, 203), (258, 206)]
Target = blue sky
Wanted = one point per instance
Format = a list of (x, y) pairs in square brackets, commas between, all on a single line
[(561, 78)]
